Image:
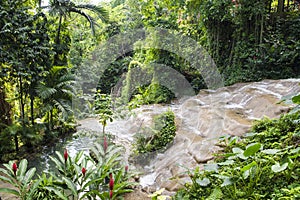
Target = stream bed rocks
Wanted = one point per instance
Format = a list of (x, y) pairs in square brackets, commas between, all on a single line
[(200, 121)]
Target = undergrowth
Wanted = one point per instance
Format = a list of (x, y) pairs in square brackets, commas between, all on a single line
[(264, 164), (159, 136)]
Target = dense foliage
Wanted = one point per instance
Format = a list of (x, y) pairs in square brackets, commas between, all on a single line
[(36, 77), (44, 50), (262, 165), (159, 136), (249, 40)]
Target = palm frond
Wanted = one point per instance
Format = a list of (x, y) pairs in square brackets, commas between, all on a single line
[(64, 106), (88, 17), (66, 79), (45, 92), (100, 11)]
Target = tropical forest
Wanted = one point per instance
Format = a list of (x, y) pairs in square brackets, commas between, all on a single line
[(149, 99)]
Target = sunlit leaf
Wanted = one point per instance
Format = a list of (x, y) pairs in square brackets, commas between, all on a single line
[(278, 168), (28, 177), (249, 166), (203, 182), (271, 151), (237, 150), (227, 181), (296, 99), (211, 167), (251, 149), (227, 162), (22, 168)]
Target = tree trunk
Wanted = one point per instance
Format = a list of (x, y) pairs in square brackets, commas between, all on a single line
[(280, 7), (32, 109), (57, 38), (22, 104), (51, 120), (57, 42), (5, 109), (16, 142)]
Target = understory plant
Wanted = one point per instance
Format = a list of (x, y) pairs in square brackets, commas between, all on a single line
[(103, 108), (264, 164), (159, 136), (99, 174)]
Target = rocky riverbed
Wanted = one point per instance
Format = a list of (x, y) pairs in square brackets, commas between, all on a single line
[(200, 121)]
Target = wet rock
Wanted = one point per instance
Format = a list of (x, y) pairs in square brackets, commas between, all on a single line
[(200, 121), (137, 195), (172, 185)]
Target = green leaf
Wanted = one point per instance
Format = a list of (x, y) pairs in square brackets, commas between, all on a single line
[(10, 191), (93, 192), (204, 182), (296, 99), (56, 191), (227, 181), (34, 187), (271, 151), (5, 179), (237, 150), (211, 167), (70, 185), (57, 162), (251, 149), (227, 162), (278, 168), (78, 157), (295, 150), (22, 168), (28, 176), (216, 194), (249, 166)]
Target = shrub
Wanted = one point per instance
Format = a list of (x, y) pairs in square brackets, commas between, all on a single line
[(157, 138), (262, 165)]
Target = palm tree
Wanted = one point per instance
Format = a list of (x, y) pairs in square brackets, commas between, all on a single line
[(64, 9), (56, 92)]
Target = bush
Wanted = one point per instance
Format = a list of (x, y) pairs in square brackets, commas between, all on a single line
[(152, 94), (157, 138), (262, 165)]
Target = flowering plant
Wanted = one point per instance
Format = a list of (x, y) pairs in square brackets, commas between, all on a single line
[(79, 177)]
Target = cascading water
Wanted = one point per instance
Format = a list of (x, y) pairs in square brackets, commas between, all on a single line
[(200, 121)]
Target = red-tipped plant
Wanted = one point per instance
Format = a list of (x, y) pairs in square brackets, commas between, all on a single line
[(66, 155), (83, 170), (126, 168), (111, 182), (15, 168), (110, 194), (105, 144)]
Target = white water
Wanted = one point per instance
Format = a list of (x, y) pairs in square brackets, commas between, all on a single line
[(200, 121)]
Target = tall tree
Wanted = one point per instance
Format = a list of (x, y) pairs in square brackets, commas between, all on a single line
[(24, 52), (24, 48), (64, 9)]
